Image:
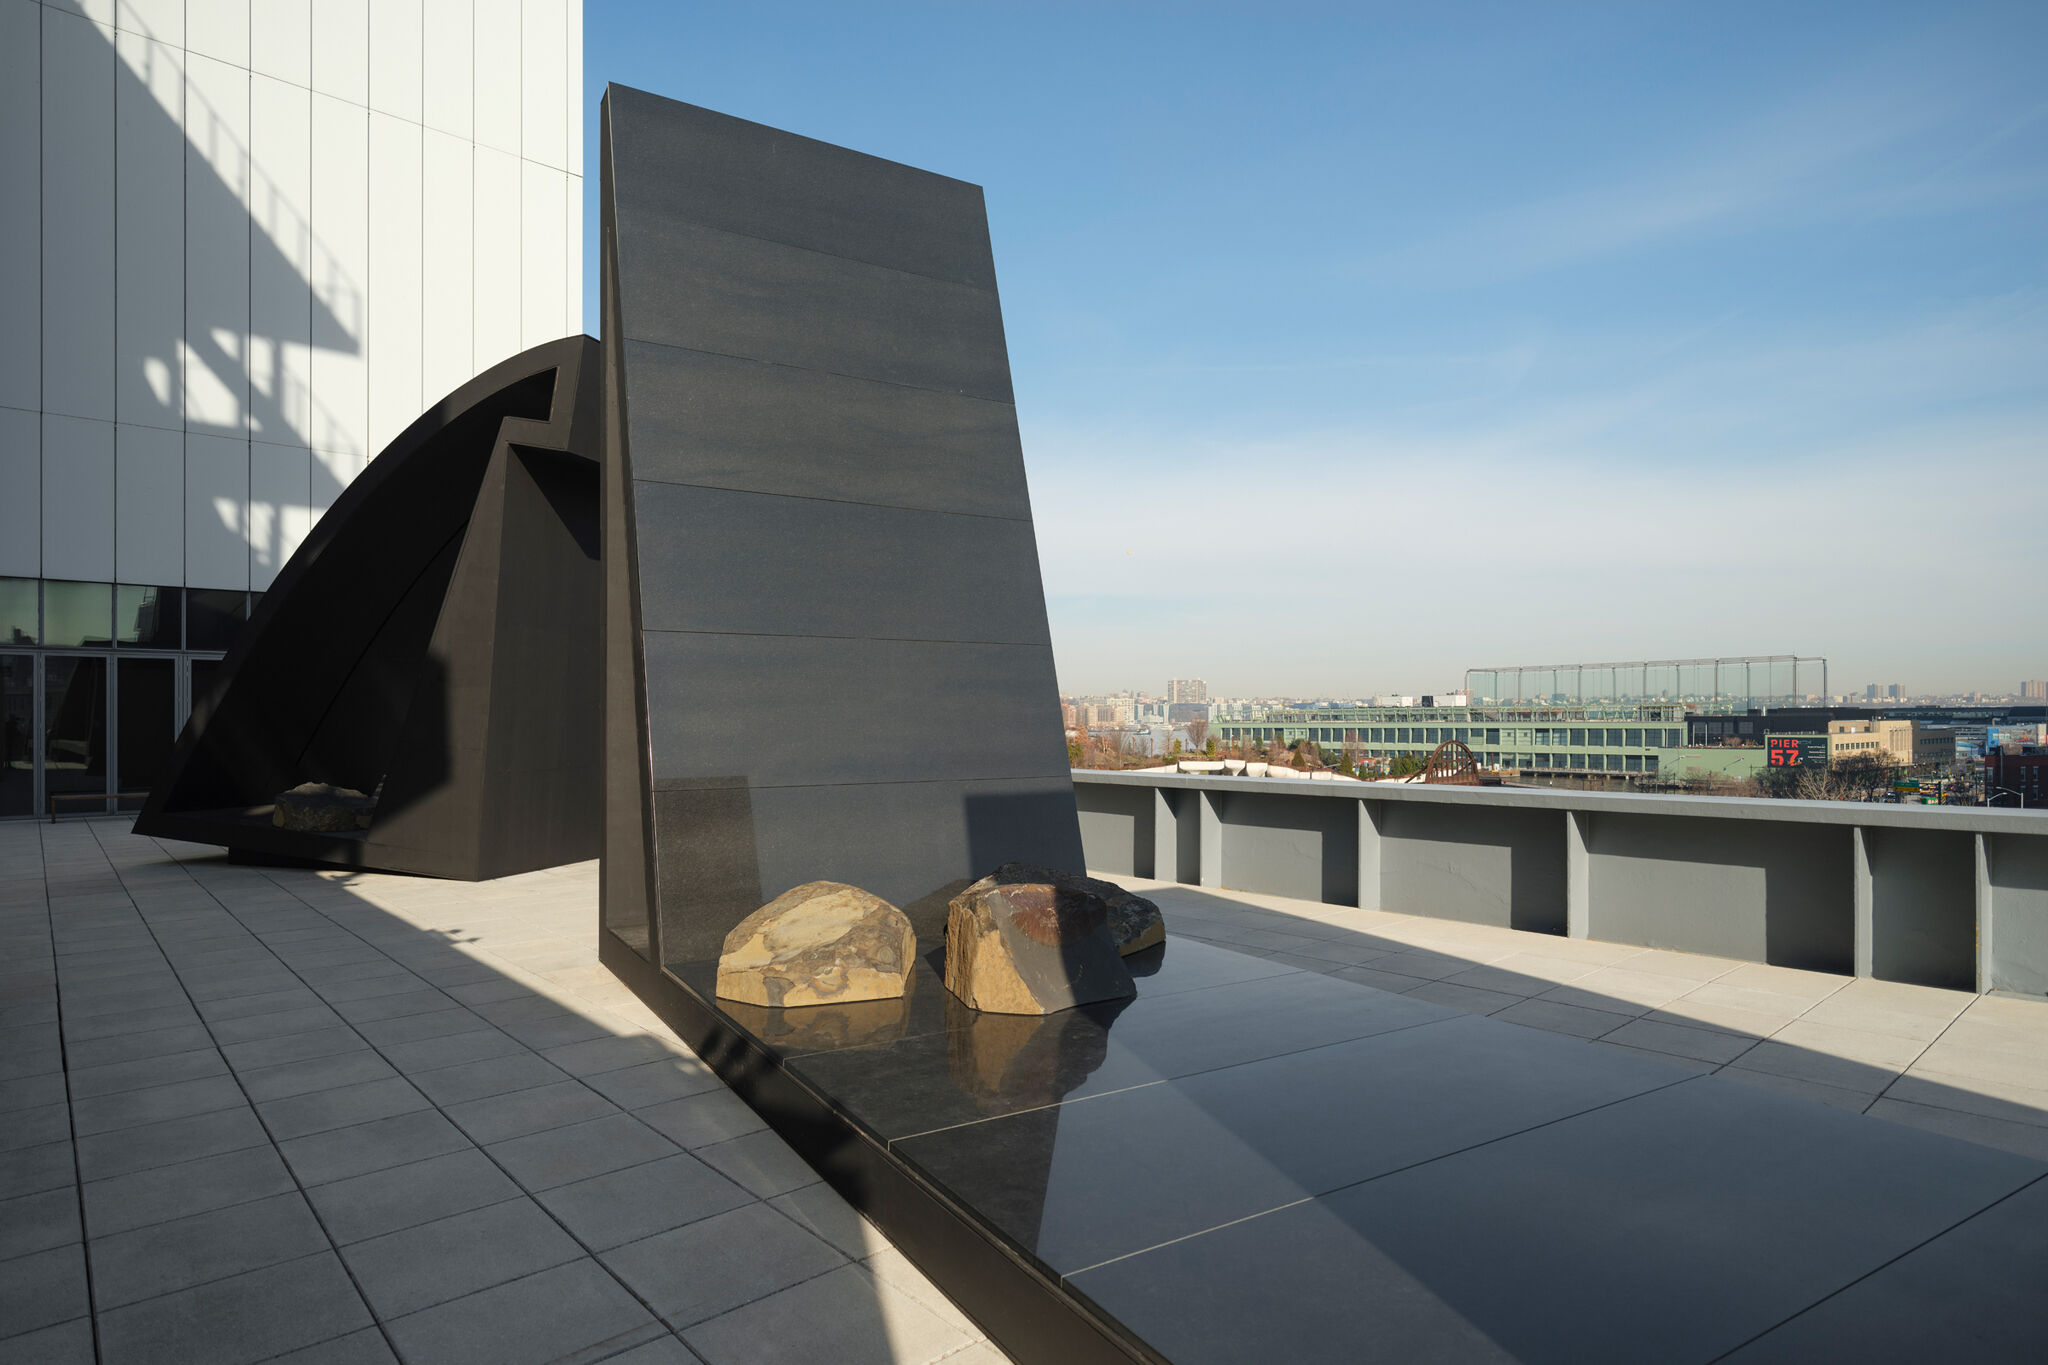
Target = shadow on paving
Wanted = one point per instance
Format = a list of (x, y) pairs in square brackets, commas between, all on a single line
[(247, 1113), (1743, 1021)]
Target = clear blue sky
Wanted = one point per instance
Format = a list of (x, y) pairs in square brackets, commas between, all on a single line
[(1355, 345)]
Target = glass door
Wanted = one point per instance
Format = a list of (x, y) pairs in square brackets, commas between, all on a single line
[(17, 734), (74, 738), (145, 723)]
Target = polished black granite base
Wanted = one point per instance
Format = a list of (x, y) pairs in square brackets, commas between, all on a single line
[(1252, 1162)]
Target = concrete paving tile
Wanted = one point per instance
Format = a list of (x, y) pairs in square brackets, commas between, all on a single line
[(710, 1267), (491, 1076), (38, 1222), (400, 982), (825, 1213), (357, 1067), (1858, 1045), (636, 1087), (130, 1047), (558, 1156), (498, 1117), (404, 1272), (665, 1349), (34, 1127), (169, 1142), (1692, 1064), (1990, 1033), (1689, 1012), (30, 1050), (117, 1077), (2024, 1139), (1978, 1094), (614, 1054), (1778, 1006), (1705, 1045), (33, 1012), (132, 1108), (380, 1144), (67, 1343), (1381, 980), (280, 1024), (248, 1006), (454, 1049), (129, 1267), (401, 1197), (1811, 986), (394, 1006), (1624, 990), (1470, 999), (209, 987), (260, 1053), (299, 1115), (1805, 1064), (627, 1205), (163, 1193), (700, 1120), (409, 1028), (41, 1290), (557, 1029), (569, 1312), (31, 1092), (1841, 1097), (490, 991), (366, 1347), (1685, 966), (874, 1323), (1558, 1016), (236, 1321)]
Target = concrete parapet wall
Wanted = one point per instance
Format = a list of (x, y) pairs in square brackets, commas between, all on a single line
[(1931, 895)]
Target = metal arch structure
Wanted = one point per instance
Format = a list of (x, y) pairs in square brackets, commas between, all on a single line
[(1450, 764)]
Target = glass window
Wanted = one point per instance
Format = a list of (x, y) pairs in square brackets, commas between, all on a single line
[(17, 731), (213, 617), (1649, 763), (78, 614), (1578, 737), (18, 611), (1493, 737), (1614, 739), (149, 618), (1634, 739), (1635, 763)]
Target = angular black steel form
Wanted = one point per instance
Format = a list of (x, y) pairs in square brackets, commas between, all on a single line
[(435, 640), (825, 635)]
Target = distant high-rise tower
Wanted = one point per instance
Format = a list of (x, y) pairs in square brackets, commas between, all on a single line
[(1895, 692), (1870, 692), (1187, 690), (2035, 689)]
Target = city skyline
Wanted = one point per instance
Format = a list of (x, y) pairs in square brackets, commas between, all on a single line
[(1354, 349)]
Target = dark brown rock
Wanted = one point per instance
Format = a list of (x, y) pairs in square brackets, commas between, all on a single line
[(1028, 940), (320, 808), (822, 943)]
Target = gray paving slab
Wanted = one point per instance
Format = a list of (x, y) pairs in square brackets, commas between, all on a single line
[(163, 1257), (163, 1193), (400, 1197), (559, 1156), (627, 1205), (403, 1272), (238, 1320), (708, 1267)]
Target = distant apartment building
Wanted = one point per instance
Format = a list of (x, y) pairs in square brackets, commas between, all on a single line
[(1870, 692), (2034, 689), (1895, 692), (2017, 776), (1187, 690)]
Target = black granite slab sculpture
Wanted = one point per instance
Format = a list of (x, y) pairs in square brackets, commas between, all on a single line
[(826, 653), (433, 644)]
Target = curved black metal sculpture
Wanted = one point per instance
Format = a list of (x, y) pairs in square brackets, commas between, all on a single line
[(434, 643)]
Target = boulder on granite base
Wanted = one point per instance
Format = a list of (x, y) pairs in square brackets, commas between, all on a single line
[(321, 808), (822, 943), (1028, 940)]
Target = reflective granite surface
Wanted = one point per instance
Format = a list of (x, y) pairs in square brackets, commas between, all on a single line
[(1250, 1161)]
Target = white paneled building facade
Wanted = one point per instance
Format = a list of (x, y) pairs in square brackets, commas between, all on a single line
[(243, 243)]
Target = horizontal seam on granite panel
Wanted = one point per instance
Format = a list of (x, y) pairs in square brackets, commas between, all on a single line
[(718, 784), (1010, 403), (989, 288), (875, 639), (841, 502)]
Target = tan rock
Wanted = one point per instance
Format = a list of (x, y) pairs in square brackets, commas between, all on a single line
[(320, 808), (822, 943), (1028, 940)]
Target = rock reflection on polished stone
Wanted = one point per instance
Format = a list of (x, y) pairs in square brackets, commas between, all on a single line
[(1008, 1062), (826, 1028)]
